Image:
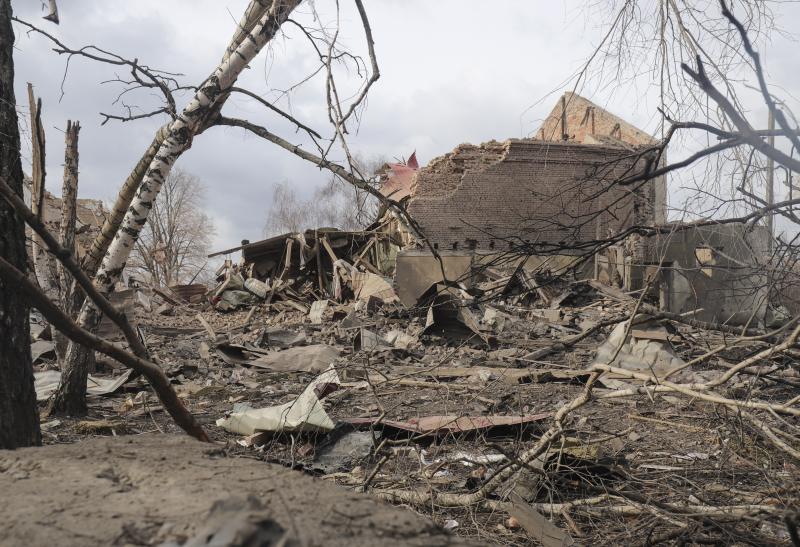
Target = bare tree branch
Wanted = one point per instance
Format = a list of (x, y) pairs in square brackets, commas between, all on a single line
[(139, 361)]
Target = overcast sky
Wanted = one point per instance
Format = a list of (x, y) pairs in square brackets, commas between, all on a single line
[(451, 71)]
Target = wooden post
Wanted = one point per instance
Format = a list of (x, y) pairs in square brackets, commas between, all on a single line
[(44, 265), (37, 182)]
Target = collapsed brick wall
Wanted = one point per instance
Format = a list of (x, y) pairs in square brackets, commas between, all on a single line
[(548, 193), (90, 217), (443, 174)]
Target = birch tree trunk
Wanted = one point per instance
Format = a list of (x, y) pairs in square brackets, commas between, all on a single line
[(69, 216), (80, 358), (254, 12), (53, 15), (112, 223), (19, 417), (71, 394)]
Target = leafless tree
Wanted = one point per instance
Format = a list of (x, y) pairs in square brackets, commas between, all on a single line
[(173, 246), (715, 173), (261, 23), (336, 204)]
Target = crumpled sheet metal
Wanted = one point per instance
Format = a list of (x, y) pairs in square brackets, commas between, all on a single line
[(313, 358), (448, 314), (367, 284), (306, 413), (46, 383)]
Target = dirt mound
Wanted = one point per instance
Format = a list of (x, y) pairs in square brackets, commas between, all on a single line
[(164, 489)]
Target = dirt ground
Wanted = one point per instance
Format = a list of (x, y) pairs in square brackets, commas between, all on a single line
[(171, 490), (661, 468)]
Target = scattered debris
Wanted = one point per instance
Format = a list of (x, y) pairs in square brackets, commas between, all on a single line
[(46, 383), (42, 349), (466, 378), (305, 413), (443, 425), (343, 449), (315, 358), (536, 526)]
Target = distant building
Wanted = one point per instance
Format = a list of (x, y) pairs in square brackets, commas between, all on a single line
[(90, 212)]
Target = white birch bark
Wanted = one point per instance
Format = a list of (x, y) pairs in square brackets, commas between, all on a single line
[(70, 396), (178, 140), (252, 15), (53, 15), (91, 261), (180, 137)]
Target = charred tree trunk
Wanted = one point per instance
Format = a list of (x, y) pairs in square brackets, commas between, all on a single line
[(70, 398), (69, 198), (69, 216), (19, 417)]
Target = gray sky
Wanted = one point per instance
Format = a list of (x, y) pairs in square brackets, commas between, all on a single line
[(451, 72)]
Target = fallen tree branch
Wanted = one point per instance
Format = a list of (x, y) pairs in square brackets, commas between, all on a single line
[(592, 506), (66, 258), (155, 376), (456, 500), (698, 391)]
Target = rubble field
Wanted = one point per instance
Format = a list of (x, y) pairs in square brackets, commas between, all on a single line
[(421, 407)]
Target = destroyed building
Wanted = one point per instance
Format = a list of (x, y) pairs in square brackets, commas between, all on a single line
[(716, 272), (576, 119), (90, 213), (552, 190), (555, 193), (538, 203), (551, 193)]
